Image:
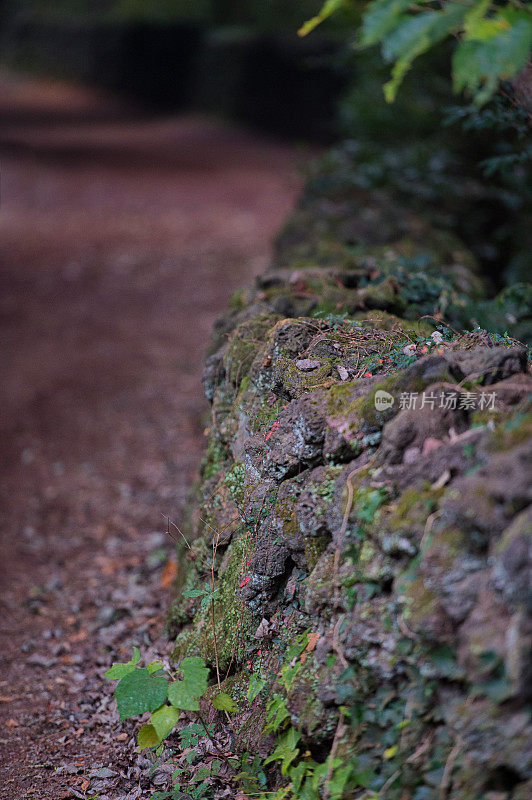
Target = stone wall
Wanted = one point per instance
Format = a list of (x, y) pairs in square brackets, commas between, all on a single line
[(367, 488)]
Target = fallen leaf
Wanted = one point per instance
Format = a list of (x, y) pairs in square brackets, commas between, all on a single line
[(311, 644), (11, 723), (103, 772), (169, 574)]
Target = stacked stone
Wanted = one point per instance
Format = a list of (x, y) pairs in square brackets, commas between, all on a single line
[(368, 480)]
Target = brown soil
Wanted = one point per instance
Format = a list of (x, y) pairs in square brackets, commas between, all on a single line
[(122, 239)]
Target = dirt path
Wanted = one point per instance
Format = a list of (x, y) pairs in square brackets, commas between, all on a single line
[(121, 240)]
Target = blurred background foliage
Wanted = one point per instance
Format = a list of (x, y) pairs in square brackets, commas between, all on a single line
[(468, 169), (261, 14)]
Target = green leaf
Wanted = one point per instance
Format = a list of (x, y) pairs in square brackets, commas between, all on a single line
[(414, 36), (339, 781), (195, 593), (297, 774), (286, 750), (327, 10), (479, 64), (256, 685), (199, 792), (364, 777), (444, 659), (223, 702), (201, 774), (380, 18), (180, 696), (155, 666), (207, 599), (195, 674), (139, 692), (164, 720), (277, 714), (147, 737), (184, 694), (480, 27), (118, 671), (477, 12)]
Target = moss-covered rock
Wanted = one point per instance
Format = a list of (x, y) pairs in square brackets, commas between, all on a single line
[(368, 481)]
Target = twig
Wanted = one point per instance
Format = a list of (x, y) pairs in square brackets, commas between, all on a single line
[(448, 770), (428, 527), (213, 615), (187, 544), (222, 755), (339, 732), (388, 783), (336, 567)]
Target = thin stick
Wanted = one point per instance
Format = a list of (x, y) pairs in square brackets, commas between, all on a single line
[(222, 755), (336, 568), (339, 732), (196, 557), (448, 770), (213, 616)]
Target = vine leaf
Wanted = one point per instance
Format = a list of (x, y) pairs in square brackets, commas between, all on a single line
[(139, 692), (195, 674), (147, 737), (186, 693), (256, 685), (164, 720), (118, 671), (181, 697)]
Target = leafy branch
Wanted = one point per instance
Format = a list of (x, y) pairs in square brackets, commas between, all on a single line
[(493, 39)]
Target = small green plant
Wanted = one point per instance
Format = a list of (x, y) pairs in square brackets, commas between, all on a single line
[(207, 596), (155, 689), (306, 779)]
